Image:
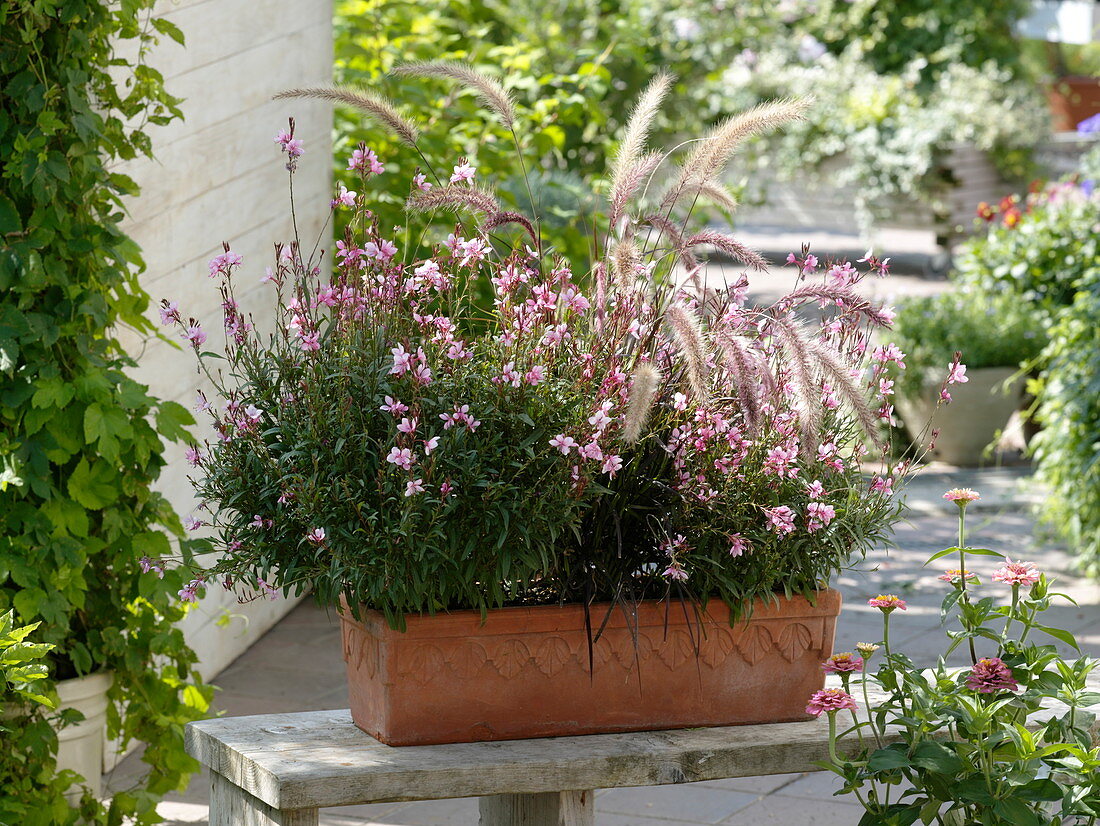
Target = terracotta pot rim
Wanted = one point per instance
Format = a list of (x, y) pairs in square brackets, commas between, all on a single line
[(648, 612)]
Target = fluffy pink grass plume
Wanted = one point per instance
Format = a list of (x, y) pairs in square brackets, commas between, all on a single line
[(1017, 573), (830, 700), (990, 675), (843, 663), (962, 496), (887, 603)]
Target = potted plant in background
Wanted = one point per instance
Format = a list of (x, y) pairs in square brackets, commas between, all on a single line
[(604, 501), (995, 336)]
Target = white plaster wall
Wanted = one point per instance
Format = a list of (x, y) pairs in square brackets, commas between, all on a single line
[(218, 176)]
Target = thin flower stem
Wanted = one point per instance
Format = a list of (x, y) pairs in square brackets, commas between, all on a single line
[(962, 579), (867, 705)]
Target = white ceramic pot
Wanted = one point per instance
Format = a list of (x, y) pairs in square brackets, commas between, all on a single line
[(978, 410), (80, 746)]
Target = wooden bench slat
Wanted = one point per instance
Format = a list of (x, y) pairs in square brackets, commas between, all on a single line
[(319, 759)]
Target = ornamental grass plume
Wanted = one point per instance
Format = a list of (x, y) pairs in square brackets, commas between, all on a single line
[(383, 445)]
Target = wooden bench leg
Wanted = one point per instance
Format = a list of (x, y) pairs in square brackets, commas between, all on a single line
[(547, 809), (233, 806)]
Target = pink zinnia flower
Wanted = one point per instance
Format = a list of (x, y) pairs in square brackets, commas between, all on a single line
[(953, 576), (989, 675), (887, 603), (845, 662), (962, 496), (1017, 573), (829, 700)]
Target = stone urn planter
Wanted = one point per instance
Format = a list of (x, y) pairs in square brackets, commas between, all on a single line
[(524, 672), (80, 746), (978, 410)]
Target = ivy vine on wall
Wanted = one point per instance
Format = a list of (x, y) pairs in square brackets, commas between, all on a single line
[(81, 442)]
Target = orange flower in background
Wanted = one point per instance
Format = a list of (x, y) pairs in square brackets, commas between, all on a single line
[(1012, 217), (986, 212)]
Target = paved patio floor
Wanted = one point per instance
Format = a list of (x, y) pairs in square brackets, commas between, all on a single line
[(297, 666)]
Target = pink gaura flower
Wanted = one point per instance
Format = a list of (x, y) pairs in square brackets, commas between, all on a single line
[(402, 360), (887, 603), (169, 313), (310, 342), (612, 464), (819, 515), (430, 445), (191, 523), (345, 197), (843, 663), (382, 250), (194, 334), (962, 496), (1017, 573), (563, 443), (316, 536), (400, 456), (189, 592), (738, 544), (885, 354), (829, 701), (446, 489), (957, 374), (421, 182), (268, 591), (413, 487), (289, 144), (679, 402), (815, 489), (408, 425), (592, 451), (535, 375), (463, 173), (394, 407), (990, 675), (364, 161), (882, 484), (675, 571), (780, 519), (193, 455)]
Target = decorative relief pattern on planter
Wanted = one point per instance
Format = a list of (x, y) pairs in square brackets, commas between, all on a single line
[(526, 672)]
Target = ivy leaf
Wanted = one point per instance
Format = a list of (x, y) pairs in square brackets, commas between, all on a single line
[(9, 216), (172, 421), (94, 484)]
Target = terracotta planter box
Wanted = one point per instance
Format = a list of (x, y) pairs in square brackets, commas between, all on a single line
[(524, 672)]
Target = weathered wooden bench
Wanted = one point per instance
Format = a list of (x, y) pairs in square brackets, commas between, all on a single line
[(279, 769)]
